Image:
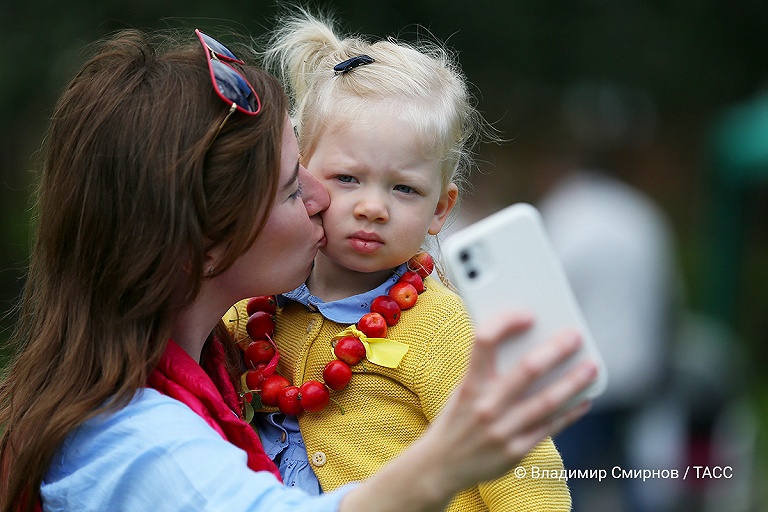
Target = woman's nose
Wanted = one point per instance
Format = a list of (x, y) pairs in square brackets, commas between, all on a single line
[(313, 193)]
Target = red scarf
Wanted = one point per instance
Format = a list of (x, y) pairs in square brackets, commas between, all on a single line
[(212, 397)]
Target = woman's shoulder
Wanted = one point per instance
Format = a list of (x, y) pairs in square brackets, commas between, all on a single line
[(156, 454), (151, 447), (149, 420)]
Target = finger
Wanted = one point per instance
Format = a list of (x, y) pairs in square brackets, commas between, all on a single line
[(538, 361), (489, 334), (512, 384), (523, 443), (503, 325), (549, 402), (559, 423)]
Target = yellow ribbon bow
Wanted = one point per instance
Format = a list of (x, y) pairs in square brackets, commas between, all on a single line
[(380, 351)]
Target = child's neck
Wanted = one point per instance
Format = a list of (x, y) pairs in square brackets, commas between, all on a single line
[(329, 281)]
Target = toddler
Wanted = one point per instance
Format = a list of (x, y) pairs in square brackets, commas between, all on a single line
[(388, 128)]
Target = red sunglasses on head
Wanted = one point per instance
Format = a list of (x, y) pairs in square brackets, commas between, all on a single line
[(228, 83)]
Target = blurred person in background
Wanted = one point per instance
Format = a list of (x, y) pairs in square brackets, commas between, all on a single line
[(619, 254)]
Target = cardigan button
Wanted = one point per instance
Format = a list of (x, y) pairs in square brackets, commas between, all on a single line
[(318, 459), (311, 325)]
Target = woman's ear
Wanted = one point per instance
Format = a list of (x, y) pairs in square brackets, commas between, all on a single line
[(213, 257), (444, 206)]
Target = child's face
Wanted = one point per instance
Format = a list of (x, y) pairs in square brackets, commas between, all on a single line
[(386, 193)]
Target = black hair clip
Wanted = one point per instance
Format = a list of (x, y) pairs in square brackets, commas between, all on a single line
[(349, 64)]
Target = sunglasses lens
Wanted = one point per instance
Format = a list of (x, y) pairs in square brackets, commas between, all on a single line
[(218, 48), (233, 86)]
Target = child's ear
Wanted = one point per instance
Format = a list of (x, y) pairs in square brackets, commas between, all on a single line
[(444, 206)]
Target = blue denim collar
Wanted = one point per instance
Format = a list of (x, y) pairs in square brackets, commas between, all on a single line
[(343, 311)]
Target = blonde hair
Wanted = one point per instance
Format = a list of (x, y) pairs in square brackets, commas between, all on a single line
[(420, 83)]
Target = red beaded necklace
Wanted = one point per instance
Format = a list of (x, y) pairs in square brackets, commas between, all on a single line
[(350, 347)]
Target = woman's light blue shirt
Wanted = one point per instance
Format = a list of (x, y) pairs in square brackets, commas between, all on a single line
[(157, 454)]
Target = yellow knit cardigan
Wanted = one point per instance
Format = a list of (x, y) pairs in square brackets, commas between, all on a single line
[(386, 409)]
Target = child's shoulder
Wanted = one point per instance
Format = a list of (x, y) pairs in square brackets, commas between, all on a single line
[(437, 286), (439, 314), (436, 293)]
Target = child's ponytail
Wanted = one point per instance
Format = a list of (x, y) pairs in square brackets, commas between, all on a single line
[(297, 50)]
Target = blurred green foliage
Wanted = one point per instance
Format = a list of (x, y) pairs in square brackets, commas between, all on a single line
[(694, 58)]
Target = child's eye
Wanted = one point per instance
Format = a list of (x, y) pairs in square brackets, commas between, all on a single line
[(296, 194), (345, 178), (404, 189)]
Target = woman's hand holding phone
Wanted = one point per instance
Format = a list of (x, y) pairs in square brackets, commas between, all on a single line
[(490, 423), (502, 418)]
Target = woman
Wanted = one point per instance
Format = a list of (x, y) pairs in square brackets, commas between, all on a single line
[(171, 189)]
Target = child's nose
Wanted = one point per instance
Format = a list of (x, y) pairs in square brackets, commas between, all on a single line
[(372, 208)]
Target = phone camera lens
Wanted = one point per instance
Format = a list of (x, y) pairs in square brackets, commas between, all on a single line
[(472, 274), (464, 256)]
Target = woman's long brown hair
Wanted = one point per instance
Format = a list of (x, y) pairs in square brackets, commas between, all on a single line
[(135, 188)]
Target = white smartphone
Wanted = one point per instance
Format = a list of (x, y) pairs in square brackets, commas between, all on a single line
[(506, 262)]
